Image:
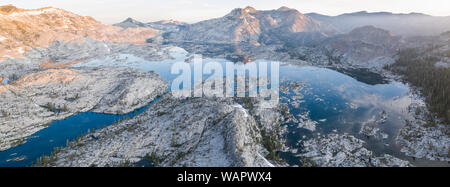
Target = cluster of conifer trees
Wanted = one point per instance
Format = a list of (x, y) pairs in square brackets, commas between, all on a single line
[(418, 68)]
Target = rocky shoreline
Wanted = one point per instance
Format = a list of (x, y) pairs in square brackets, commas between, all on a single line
[(38, 98), (121, 80), (422, 137), (342, 150), (182, 132)]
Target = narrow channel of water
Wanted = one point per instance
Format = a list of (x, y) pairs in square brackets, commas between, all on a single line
[(57, 134)]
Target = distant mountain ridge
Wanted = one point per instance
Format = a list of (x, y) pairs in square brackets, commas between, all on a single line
[(235, 34), (255, 27), (165, 25), (363, 45), (412, 24), (307, 27)]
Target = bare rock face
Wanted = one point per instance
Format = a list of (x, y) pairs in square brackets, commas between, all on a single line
[(22, 30), (70, 53), (180, 132), (67, 54), (163, 25), (252, 26), (334, 150), (366, 47), (39, 98), (421, 138), (130, 23)]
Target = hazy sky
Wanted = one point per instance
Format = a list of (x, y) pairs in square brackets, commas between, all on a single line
[(113, 11)]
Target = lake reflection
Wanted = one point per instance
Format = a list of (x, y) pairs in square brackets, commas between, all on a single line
[(336, 102)]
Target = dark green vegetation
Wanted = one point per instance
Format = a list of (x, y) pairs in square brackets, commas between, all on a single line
[(271, 143), (418, 68), (363, 75)]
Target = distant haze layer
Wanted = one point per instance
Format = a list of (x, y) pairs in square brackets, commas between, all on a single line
[(113, 11)]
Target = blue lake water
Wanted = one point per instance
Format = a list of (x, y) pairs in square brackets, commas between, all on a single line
[(336, 101), (46, 140), (340, 103)]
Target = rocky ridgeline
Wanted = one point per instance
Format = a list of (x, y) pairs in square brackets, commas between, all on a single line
[(22, 29), (163, 25), (253, 26), (287, 35), (32, 102), (183, 132)]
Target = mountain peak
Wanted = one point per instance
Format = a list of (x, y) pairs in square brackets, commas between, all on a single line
[(249, 9), (242, 11), (130, 23), (284, 8), (256, 27), (130, 20)]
